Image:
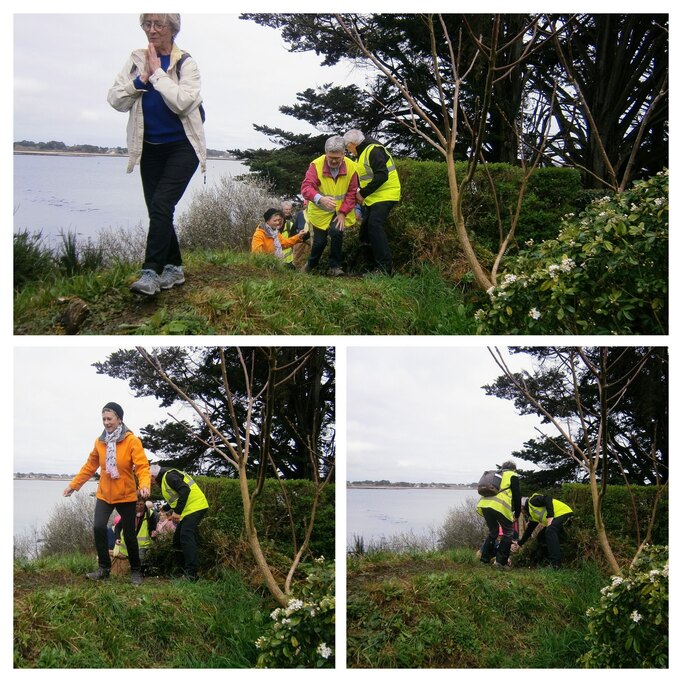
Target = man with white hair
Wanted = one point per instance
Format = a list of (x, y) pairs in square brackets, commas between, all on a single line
[(379, 192), (330, 186)]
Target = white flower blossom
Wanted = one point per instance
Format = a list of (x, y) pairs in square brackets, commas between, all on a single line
[(491, 292), (616, 580), (510, 279), (635, 616), (534, 313), (553, 270), (294, 605), (275, 614), (659, 201), (530, 242), (260, 642), (567, 264), (478, 315), (323, 650)]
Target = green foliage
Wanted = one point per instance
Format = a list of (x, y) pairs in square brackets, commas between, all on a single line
[(226, 516), (447, 610), (75, 258), (605, 273), (629, 626), (33, 260), (422, 223), (302, 634), (62, 620)]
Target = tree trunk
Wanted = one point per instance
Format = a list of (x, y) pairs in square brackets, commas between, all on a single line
[(599, 525), (254, 543), (480, 275)]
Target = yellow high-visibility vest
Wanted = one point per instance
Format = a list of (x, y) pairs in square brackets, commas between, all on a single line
[(337, 189), (390, 190), (502, 502), (196, 500), (539, 514)]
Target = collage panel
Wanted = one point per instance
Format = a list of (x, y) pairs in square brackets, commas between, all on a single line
[(387, 193), (174, 507), (507, 507)]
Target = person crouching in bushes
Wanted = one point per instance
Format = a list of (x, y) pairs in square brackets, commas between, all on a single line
[(553, 515), (267, 237)]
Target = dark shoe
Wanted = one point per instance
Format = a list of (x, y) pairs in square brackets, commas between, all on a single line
[(501, 567), (136, 577), (99, 574)]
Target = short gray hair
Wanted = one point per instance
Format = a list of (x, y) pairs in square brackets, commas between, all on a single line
[(354, 136), (335, 144), (172, 19)]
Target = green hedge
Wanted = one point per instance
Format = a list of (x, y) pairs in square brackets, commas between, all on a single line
[(222, 536), (617, 510), (421, 225)]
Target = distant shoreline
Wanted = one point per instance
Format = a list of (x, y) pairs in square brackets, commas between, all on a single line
[(56, 477), (42, 152)]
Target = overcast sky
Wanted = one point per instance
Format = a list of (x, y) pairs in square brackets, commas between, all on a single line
[(420, 415), (64, 65), (58, 400)]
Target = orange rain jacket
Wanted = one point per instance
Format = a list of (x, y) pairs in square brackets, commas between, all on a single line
[(130, 460), (262, 243)]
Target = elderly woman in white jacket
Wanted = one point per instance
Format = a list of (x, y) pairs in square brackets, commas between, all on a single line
[(160, 87)]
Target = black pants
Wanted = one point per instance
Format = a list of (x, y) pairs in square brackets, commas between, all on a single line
[(166, 170), (185, 541), (320, 242), (102, 513), (373, 232), (549, 538), (494, 519)]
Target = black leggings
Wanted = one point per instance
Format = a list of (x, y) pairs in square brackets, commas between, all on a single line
[(102, 513)]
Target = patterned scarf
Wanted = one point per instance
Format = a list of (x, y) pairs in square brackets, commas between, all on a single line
[(274, 233), (116, 436)]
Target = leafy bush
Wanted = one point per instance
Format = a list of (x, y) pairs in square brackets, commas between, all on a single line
[(421, 226), (629, 627), (69, 527), (33, 260), (606, 272), (225, 216), (463, 527), (302, 634), (75, 258)]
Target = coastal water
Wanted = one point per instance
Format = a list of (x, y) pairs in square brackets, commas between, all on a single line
[(380, 513), (35, 501), (89, 194)]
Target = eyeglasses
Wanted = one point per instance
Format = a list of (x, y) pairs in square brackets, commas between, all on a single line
[(148, 25)]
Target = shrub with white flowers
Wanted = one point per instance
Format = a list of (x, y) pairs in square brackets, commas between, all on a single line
[(605, 273), (301, 635), (629, 627)]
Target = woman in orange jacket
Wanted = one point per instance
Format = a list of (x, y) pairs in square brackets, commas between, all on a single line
[(123, 465), (267, 239)]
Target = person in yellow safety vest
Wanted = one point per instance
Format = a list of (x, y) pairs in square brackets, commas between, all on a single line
[(145, 524), (287, 230), (501, 511), (188, 503), (379, 192), (330, 186), (551, 513)]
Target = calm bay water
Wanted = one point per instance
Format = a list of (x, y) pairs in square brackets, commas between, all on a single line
[(376, 513), (34, 502), (89, 194)]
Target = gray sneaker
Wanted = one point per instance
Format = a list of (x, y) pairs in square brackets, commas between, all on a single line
[(171, 276), (136, 577), (148, 284), (501, 567), (336, 272)]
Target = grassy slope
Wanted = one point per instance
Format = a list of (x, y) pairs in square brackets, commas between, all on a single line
[(241, 294), (62, 620), (446, 610)]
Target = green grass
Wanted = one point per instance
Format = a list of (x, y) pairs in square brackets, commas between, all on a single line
[(62, 620), (446, 610), (228, 293)]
